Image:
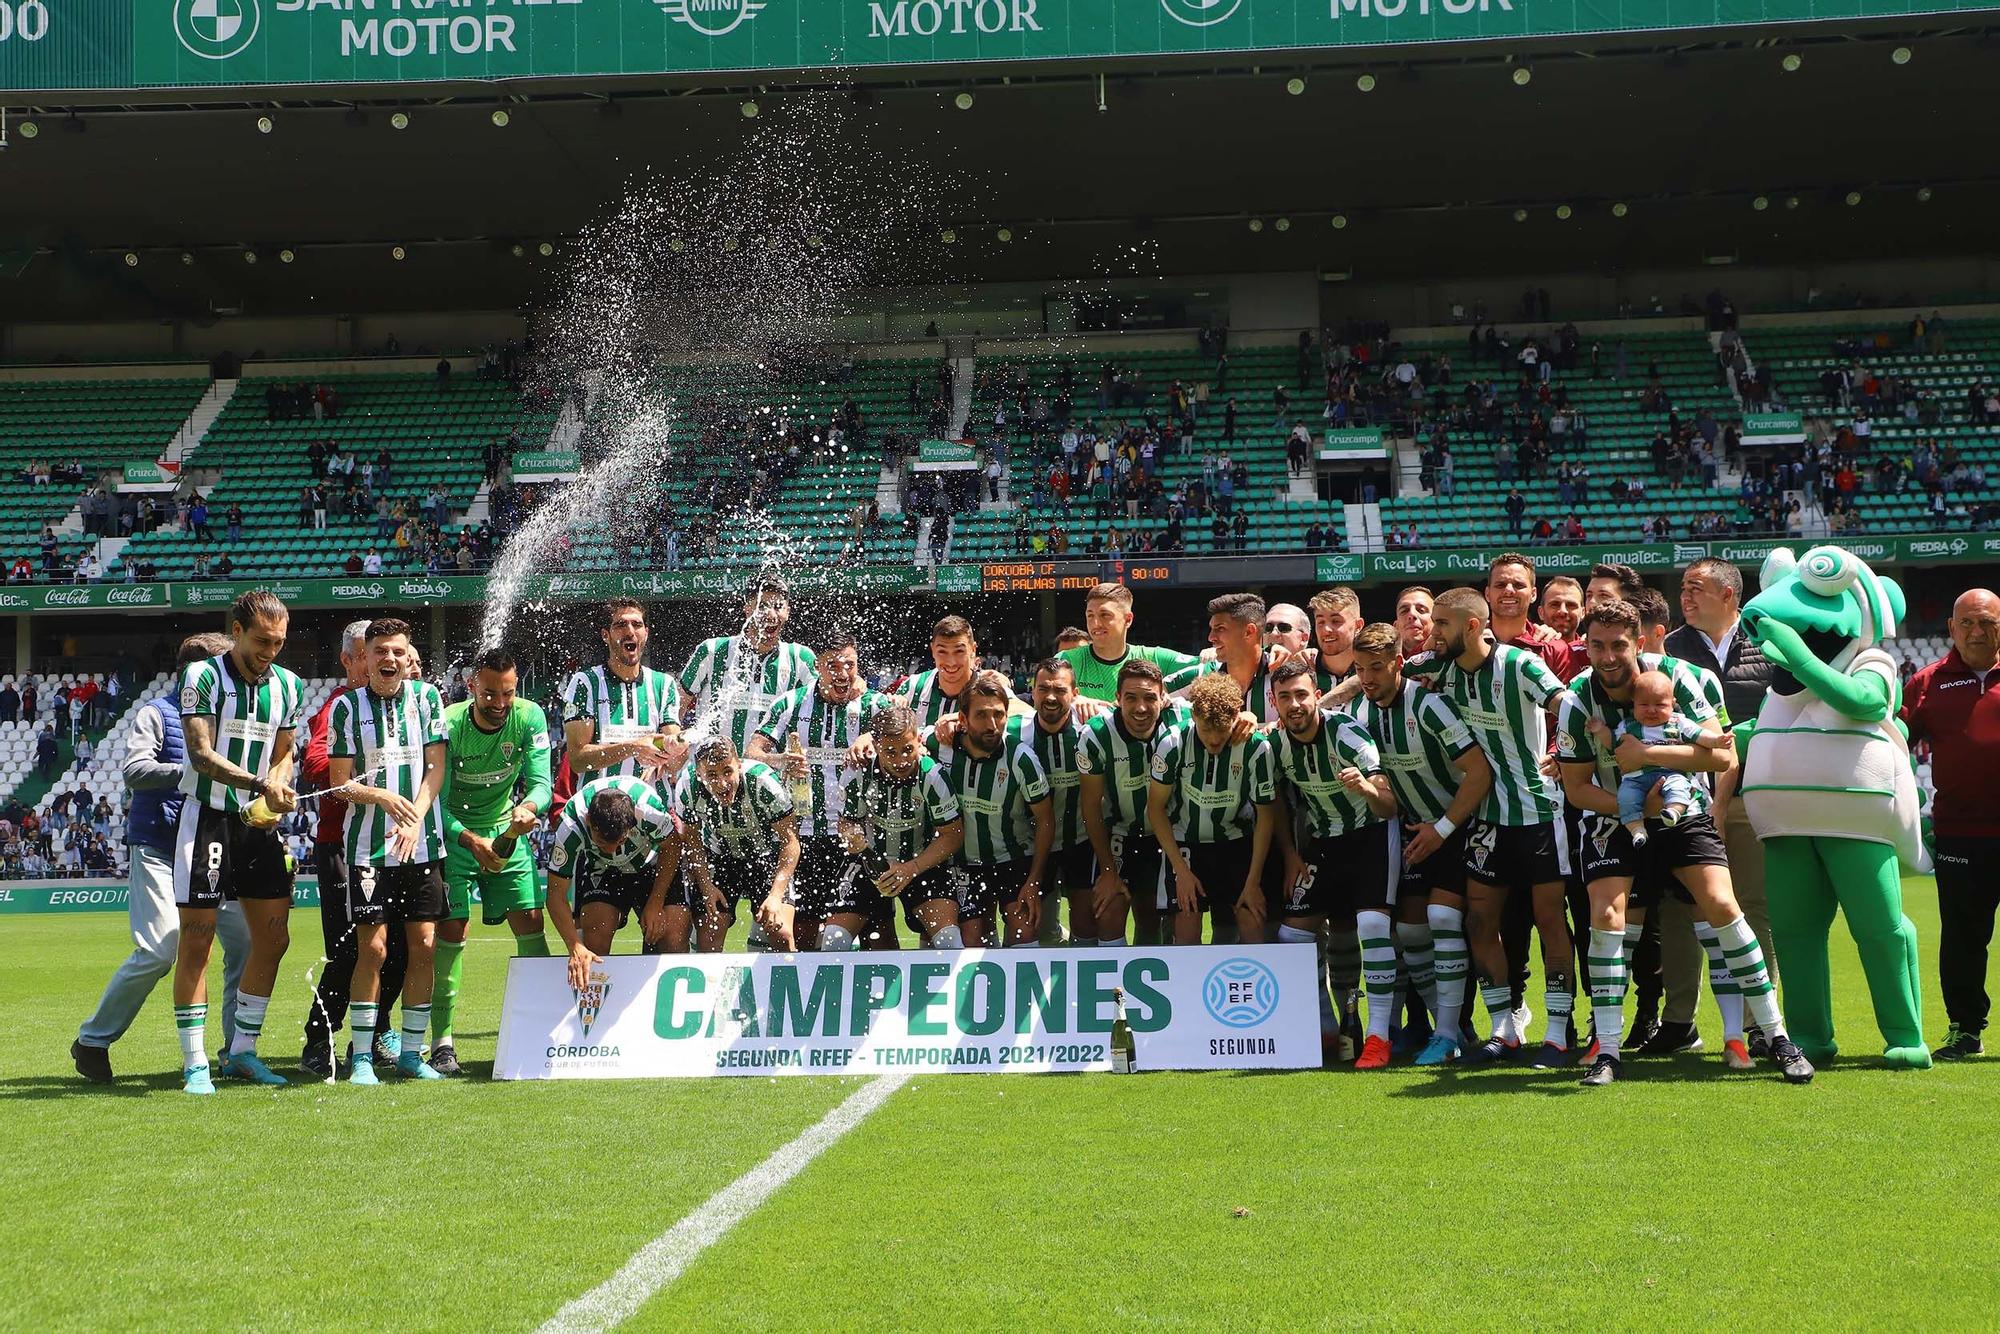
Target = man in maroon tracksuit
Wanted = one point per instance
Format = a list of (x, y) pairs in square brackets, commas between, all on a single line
[(1954, 704)]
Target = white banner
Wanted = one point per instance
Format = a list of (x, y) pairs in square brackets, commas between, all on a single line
[(1199, 1007)]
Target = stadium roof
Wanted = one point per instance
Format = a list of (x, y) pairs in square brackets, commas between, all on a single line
[(1420, 178)]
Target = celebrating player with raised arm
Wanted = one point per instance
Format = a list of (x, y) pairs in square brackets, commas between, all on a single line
[(1212, 807), (1003, 798), (739, 677)]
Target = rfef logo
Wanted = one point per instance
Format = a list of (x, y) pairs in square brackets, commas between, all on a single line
[(1240, 993), (215, 29)]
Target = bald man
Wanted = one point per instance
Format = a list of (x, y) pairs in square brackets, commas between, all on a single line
[(1955, 705), (1287, 627)]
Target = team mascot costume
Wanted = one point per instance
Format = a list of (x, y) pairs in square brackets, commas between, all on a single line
[(1828, 787)]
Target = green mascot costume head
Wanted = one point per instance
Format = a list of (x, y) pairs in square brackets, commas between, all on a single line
[(1828, 787)]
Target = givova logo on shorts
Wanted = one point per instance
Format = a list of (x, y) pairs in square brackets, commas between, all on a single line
[(216, 29), (1240, 993)]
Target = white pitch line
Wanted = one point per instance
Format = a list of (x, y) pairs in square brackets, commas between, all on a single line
[(663, 1259)]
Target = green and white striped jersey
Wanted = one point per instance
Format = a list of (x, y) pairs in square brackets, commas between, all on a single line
[(1125, 763), (826, 731), (1216, 793), (994, 795), (1309, 773), (1057, 752), (620, 710), (1257, 700), (249, 718), (728, 677), (389, 735), (923, 693), (1700, 700), (571, 850), (1504, 703), (902, 818), (744, 828), (1418, 735)]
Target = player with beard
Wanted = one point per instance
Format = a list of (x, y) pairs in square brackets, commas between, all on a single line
[(1690, 849), (740, 676), (1053, 731), (495, 743), (900, 826), (1114, 761), (807, 738), (1003, 798), (1440, 778), (1562, 606), (1236, 630), (1517, 845), (1347, 862), (612, 713)]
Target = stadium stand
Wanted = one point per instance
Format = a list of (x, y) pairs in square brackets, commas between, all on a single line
[(58, 437)]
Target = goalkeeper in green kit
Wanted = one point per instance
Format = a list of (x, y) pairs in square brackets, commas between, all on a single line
[(495, 745)]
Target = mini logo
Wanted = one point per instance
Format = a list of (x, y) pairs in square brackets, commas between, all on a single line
[(1200, 13), (711, 18), (1240, 993), (215, 29), (590, 999)]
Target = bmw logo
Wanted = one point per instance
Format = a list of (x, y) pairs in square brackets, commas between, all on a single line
[(215, 29)]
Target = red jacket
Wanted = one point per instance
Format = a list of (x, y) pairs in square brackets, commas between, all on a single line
[(332, 810), (1957, 710)]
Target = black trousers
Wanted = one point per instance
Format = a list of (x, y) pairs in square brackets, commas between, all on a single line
[(1968, 893), (337, 974)]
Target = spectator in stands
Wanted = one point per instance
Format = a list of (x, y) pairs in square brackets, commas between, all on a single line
[(443, 373), (1318, 538), (146, 568), (85, 751), (200, 569), (198, 519), (22, 571), (234, 522), (46, 748), (352, 565), (224, 567), (86, 569), (1517, 508), (10, 700), (371, 564)]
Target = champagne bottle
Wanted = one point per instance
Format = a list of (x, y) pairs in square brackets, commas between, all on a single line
[(1124, 1052), (802, 787), (503, 843), (259, 815), (874, 863)]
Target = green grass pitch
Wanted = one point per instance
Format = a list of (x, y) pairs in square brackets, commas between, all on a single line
[(1684, 1197)]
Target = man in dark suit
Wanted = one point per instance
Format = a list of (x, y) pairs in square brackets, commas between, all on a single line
[(1711, 596)]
